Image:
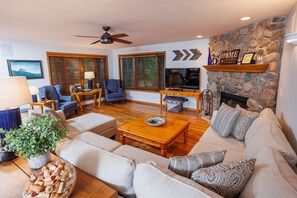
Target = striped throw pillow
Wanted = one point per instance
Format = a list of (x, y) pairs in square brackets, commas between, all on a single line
[(225, 120), (186, 165)]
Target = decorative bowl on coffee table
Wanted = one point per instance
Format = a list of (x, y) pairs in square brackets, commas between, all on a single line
[(155, 120)]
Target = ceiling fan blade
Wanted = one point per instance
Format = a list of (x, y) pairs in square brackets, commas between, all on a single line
[(118, 35), (121, 41), (87, 36), (96, 42)]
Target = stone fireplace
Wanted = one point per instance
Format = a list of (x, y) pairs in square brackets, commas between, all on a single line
[(233, 100), (259, 88)]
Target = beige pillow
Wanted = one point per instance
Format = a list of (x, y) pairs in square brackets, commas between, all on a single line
[(55, 116), (186, 165), (226, 178), (112, 169), (272, 177), (270, 135), (154, 181)]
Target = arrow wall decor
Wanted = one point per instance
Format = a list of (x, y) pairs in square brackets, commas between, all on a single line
[(178, 54)]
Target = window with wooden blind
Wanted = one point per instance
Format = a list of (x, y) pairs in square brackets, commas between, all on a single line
[(68, 69), (142, 71)]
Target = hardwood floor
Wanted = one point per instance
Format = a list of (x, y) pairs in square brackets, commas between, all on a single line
[(127, 111)]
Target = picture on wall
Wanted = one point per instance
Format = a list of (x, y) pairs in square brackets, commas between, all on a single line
[(31, 69)]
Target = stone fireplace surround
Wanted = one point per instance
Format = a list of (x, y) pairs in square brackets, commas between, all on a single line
[(260, 88)]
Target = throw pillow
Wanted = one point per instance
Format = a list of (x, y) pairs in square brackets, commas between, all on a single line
[(225, 120), (245, 120), (56, 116), (186, 165), (227, 179)]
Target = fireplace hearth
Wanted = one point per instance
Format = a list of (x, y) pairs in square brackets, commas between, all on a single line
[(232, 100)]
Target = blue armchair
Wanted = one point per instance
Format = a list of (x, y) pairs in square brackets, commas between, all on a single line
[(113, 91), (63, 103)]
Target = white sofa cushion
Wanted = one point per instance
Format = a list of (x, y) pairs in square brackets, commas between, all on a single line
[(212, 141), (266, 117), (270, 135), (114, 170), (98, 141), (94, 122), (150, 181), (140, 156), (272, 177)]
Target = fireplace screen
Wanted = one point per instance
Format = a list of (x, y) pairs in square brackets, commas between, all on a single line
[(232, 100)]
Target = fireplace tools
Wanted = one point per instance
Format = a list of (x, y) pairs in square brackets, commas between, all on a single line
[(207, 103)]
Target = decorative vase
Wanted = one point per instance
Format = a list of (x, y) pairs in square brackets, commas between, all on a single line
[(40, 161)]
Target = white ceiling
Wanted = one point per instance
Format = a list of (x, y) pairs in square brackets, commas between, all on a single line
[(145, 21)]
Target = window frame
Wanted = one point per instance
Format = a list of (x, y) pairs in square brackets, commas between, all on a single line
[(141, 55)]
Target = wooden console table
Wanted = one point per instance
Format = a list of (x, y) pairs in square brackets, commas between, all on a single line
[(87, 93), (14, 175), (195, 94), (41, 104)]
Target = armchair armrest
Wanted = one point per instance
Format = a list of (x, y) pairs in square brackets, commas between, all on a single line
[(65, 98), (106, 91), (121, 90)]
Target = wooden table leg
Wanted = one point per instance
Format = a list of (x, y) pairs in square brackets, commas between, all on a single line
[(41, 108), (164, 150), (197, 105), (99, 99), (161, 103), (79, 103), (95, 99), (122, 137), (186, 136), (53, 106)]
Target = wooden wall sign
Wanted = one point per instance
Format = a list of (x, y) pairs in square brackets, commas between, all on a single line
[(229, 57), (179, 55)]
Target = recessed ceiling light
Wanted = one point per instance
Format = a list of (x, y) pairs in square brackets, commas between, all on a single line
[(199, 36), (245, 18)]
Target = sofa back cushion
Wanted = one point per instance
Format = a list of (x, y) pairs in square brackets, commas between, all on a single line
[(153, 181), (114, 170), (266, 117), (272, 177), (270, 135), (225, 120)]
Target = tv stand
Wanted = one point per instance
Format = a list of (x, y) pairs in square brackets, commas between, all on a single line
[(195, 94)]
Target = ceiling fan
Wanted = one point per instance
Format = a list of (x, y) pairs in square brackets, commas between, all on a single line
[(106, 38)]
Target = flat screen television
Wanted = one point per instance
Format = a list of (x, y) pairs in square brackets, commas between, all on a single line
[(182, 78)]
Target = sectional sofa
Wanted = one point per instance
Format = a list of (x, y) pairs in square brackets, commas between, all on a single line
[(138, 173)]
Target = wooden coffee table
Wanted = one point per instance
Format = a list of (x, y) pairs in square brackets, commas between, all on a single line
[(161, 137), (14, 175)]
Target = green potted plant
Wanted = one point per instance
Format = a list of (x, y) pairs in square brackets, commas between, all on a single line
[(35, 139)]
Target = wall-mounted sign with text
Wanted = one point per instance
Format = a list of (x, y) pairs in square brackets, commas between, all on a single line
[(229, 57)]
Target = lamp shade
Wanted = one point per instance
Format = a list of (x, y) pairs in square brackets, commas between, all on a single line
[(14, 92), (291, 38), (89, 75), (34, 90)]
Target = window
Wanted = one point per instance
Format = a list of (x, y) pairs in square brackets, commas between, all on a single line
[(68, 69), (142, 71)]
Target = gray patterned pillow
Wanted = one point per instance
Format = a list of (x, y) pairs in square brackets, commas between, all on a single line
[(225, 120), (243, 123), (227, 179), (186, 165)]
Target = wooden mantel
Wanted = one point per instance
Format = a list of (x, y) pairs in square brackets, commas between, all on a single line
[(249, 68)]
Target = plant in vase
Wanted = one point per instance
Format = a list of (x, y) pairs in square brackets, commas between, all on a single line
[(34, 140)]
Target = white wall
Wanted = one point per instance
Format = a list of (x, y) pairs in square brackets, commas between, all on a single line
[(26, 50), (201, 45), (286, 108)]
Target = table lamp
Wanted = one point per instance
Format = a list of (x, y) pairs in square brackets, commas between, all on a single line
[(15, 92), (89, 75), (34, 91)]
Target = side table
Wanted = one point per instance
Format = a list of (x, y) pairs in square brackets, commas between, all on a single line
[(87, 93), (41, 104)]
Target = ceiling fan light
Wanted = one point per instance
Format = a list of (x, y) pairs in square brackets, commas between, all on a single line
[(106, 40)]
